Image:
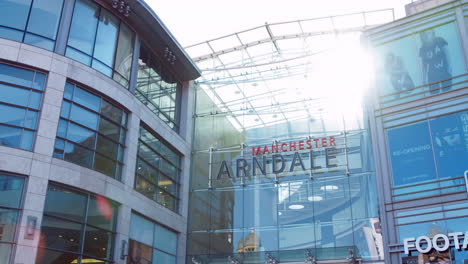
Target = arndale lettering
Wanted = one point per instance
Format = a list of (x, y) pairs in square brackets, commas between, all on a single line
[(274, 156)]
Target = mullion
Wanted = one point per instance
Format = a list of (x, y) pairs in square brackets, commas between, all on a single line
[(19, 127), (92, 150), (157, 152), (20, 86), (95, 131), (27, 20), (156, 168)]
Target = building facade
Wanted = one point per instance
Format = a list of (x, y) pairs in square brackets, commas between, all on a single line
[(419, 124), (95, 134)]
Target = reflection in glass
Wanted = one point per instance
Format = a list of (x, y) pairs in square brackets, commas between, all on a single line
[(139, 253), (260, 206), (65, 203), (46, 256), (11, 189), (98, 243)]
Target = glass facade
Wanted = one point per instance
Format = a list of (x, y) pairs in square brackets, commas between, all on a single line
[(33, 22), (281, 191), (429, 157), (151, 243), (11, 194), (424, 62), (158, 170), (157, 89), (77, 227), (20, 97), (91, 131), (100, 40)]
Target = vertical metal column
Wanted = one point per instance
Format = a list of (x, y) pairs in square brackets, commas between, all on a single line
[(242, 146), (346, 146), (210, 165)]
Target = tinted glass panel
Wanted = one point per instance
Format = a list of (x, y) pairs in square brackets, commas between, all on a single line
[(65, 203), (165, 239), (124, 54), (112, 112), (87, 99), (98, 243), (83, 26), (15, 75), (61, 234), (8, 220), (14, 13), (81, 135), (102, 212), (78, 155), (11, 189), (139, 253), (44, 17), (14, 95), (106, 38), (141, 230), (161, 257), (84, 117), (105, 165), (10, 136)]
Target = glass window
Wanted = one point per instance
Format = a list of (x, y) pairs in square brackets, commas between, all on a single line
[(33, 22), (20, 97), (76, 224), (91, 131), (156, 89), (100, 40), (11, 190), (150, 242), (157, 177), (428, 157)]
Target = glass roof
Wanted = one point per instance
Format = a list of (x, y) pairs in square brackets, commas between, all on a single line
[(286, 71)]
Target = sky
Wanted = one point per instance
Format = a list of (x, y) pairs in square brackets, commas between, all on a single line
[(194, 21)]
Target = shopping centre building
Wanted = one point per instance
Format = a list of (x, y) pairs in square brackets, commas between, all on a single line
[(110, 152)]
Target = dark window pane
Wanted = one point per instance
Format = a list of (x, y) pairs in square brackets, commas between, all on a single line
[(84, 117), (14, 13), (13, 95), (65, 203), (166, 200), (78, 155), (112, 112), (106, 38), (87, 99), (106, 147), (102, 212), (15, 75), (8, 221), (109, 129), (11, 189), (46, 256), (104, 165), (83, 26), (167, 184), (81, 135), (44, 17), (147, 171), (145, 187), (59, 234), (139, 253), (10, 136), (98, 243)]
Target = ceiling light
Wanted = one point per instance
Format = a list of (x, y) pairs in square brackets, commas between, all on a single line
[(315, 198), (329, 188), (296, 206)]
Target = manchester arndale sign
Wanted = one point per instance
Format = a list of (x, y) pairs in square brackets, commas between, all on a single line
[(278, 157), (439, 242)]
